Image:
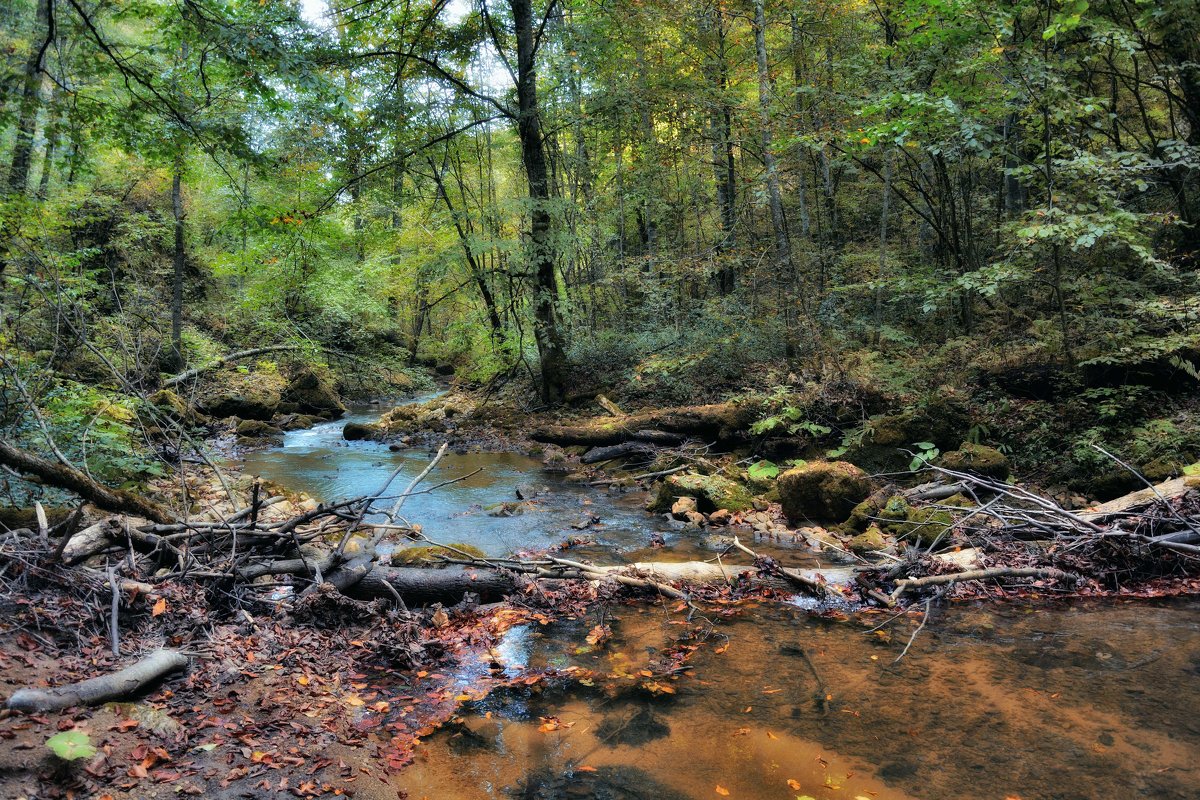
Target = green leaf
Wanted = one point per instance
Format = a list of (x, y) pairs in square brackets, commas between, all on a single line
[(71, 745), (763, 470), (1192, 470)]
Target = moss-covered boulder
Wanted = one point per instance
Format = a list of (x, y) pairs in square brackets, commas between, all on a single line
[(1164, 468), (976, 459), (710, 491), (437, 415), (313, 395), (428, 555), (257, 429), (248, 403), (173, 406), (863, 514), (357, 431), (822, 490), (924, 525), (297, 422), (869, 541)]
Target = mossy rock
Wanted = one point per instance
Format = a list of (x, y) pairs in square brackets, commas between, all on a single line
[(869, 541), (976, 459), (175, 407), (313, 395), (297, 422), (1164, 468), (959, 500), (710, 491), (822, 490), (248, 404), (924, 525), (257, 429), (429, 555), (357, 432), (862, 515)]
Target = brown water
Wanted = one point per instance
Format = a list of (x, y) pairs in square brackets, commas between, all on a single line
[(1061, 702)]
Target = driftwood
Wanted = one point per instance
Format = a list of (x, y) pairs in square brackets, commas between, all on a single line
[(912, 584), (73, 480), (121, 684)]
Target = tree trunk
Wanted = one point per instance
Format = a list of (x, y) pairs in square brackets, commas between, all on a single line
[(552, 355), (22, 155), (177, 278), (783, 250)]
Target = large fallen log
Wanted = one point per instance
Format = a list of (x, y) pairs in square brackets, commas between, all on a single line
[(121, 684), (1144, 498), (71, 479), (187, 375), (423, 586), (718, 421)]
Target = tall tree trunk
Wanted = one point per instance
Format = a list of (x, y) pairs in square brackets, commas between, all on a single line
[(547, 333), (177, 279), (27, 114), (712, 24), (797, 82), (783, 247), (783, 250)]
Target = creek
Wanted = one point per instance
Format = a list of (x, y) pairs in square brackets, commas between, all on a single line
[(1054, 700)]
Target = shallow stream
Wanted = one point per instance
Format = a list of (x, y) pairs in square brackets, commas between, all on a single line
[(1057, 701)]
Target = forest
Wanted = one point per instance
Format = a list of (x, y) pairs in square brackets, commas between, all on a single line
[(387, 386)]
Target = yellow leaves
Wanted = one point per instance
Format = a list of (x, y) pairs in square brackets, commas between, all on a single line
[(355, 701), (771, 735), (553, 724), (654, 687), (793, 784), (303, 680), (585, 768), (598, 635), (721, 790), (159, 608)]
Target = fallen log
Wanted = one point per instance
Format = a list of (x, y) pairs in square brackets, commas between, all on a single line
[(118, 685), (187, 375), (717, 421), (623, 450), (447, 585), (1143, 498), (71, 479), (912, 584)]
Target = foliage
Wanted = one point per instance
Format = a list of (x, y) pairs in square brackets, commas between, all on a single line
[(71, 745)]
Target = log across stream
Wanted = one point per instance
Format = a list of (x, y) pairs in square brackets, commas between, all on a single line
[(1055, 701)]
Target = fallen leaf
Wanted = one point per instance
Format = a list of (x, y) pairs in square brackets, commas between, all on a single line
[(159, 608), (355, 700), (585, 768), (793, 784), (771, 735), (721, 790)]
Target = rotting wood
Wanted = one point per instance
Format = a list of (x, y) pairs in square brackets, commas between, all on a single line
[(148, 670)]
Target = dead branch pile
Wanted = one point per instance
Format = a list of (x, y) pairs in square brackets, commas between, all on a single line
[(1133, 540)]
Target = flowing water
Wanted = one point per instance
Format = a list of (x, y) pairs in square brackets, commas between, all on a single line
[(1056, 701)]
